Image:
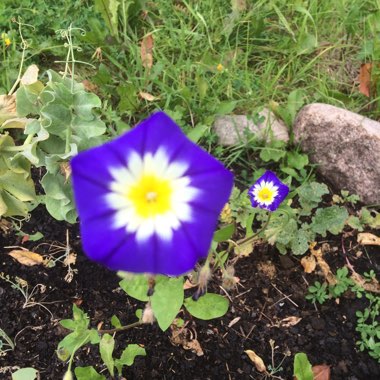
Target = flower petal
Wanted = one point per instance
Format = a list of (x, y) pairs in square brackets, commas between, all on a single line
[(275, 187), (118, 188)]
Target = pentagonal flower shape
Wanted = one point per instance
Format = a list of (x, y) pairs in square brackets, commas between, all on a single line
[(149, 201), (268, 192)]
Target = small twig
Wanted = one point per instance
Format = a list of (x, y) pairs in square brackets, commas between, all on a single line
[(226, 293), (285, 296), (241, 294)]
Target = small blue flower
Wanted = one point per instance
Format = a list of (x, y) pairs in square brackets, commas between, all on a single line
[(149, 201), (268, 192)]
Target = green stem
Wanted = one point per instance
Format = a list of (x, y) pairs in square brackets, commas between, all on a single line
[(245, 240), (24, 45), (19, 148), (124, 22), (122, 328), (222, 268)]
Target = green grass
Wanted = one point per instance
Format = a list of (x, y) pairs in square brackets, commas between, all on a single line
[(268, 49)]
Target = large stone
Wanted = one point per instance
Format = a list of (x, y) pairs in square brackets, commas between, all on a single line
[(230, 128), (344, 145)]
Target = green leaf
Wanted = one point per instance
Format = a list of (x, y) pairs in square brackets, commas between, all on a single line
[(115, 321), (207, 307), (25, 374), (106, 347), (355, 223), (272, 154), (87, 373), (295, 102), (27, 102), (167, 300), (128, 356), (330, 219), (18, 186), (300, 242), (59, 197), (225, 108), (282, 229), (310, 195), (202, 85), (81, 335), (197, 133), (302, 367), (297, 160), (306, 43), (128, 99), (108, 9), (136, 286), (224, 233)]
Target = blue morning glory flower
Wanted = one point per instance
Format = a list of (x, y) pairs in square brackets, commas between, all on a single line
[(149, 201), (268, 192)]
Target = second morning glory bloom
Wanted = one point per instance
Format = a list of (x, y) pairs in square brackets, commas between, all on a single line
[(149, 201), (268, 192)]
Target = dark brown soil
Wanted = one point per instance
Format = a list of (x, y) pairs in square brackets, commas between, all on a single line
[(272, 287)]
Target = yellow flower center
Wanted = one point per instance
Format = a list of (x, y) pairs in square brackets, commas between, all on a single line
[(150, 196), (265, 194)]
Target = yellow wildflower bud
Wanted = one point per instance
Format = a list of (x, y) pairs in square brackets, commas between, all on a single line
[(7, 41), (220, 67)]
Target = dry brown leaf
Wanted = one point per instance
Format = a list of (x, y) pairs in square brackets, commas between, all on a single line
[(25, 257), (321, 372), (188, 284), (308, 263), (194, 346), (183, 336), (372, 286), (65, 170), (365, 79), (267, 268), (8, 105), (147, 96), (70, 259), (5, 226), (89, 86), (30, 76), (365, 238), (256, 360), (289, 321), (317, 253), (146, 51)]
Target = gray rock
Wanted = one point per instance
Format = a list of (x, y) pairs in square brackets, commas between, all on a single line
[(344, 145), (230, 128)]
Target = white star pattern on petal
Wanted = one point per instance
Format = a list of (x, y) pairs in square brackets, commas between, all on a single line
[(173, 191)]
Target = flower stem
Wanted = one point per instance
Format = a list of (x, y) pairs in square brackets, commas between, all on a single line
[(247, 239)]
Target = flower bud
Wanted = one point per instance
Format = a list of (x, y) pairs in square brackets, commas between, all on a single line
[(204, 276), (229, 279)]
